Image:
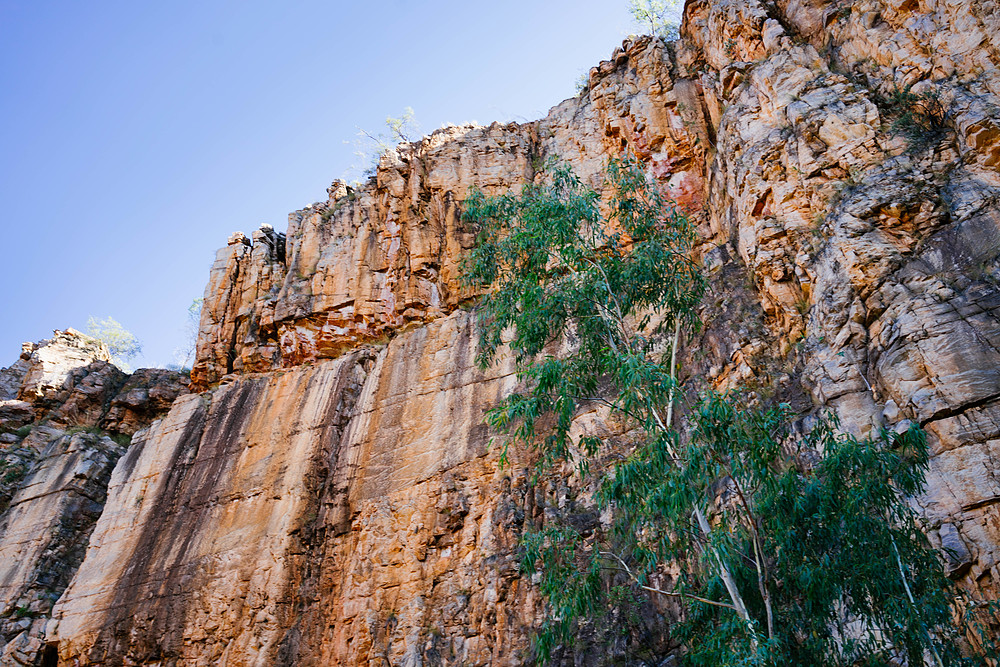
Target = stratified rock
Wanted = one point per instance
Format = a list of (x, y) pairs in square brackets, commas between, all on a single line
[(68, 379), (44, 535), (52, 484), (873, 243), (18, 456), (15, 414), (354, 505), (241, 463), (54, 361), (146, 395), (85, 396)]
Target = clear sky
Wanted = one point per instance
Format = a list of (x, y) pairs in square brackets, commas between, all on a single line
[(136, 136)]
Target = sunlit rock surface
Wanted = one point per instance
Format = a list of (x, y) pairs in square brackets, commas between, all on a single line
[(44, 534), (66, 416), (331, 497)]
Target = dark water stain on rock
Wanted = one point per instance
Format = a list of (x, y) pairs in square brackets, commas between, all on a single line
[(146, 619)]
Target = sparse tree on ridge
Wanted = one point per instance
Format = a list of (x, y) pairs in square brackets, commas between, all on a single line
[(371, 146), (121, 343), (658, 17)]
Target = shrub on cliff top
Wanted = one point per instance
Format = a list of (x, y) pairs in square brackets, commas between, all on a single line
[(122, 344), (780, 549), (370, 147), (659, 17)]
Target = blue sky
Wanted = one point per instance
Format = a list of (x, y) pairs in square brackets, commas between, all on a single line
[(136, 136)]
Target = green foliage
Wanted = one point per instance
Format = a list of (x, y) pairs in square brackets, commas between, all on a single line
[(121, 343), (571, 580), (816, 527), (370, 147), (12, 473), (184, 356), (402, 128), (23, 611), (13, 470), (918, 117), (788, 548), (558, 268), (658, 17)]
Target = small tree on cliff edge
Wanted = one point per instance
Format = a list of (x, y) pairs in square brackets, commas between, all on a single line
[(121, 343), (659, 17), (370, 147), (789, 550)]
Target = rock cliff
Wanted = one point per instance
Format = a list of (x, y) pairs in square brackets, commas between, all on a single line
[(329, 496), (66, 414)]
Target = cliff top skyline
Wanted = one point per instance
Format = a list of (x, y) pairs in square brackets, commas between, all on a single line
[(139, 137)]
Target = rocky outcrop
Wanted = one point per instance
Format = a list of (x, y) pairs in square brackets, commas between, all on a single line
[(44, 535), (349, 511), (386, 255), (68, 377), (46, 367), (145, 396), (850, 182), (330, 497), (297, 476), (69, 380), (66, 417)]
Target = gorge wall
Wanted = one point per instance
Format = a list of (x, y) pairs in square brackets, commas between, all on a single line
[(328, 496), (66, 417)]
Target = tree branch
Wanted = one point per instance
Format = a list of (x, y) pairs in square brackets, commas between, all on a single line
[(652, 589)]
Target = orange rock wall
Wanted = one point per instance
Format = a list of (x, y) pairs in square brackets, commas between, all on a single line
[(331, 499)]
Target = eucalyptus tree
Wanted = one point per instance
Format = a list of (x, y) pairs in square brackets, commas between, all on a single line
[(785, 548)]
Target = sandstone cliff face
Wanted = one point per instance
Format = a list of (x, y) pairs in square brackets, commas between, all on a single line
[(298, 517), (190, 556), (44, 534), (868, 218), (60, 402), (330, 497)]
